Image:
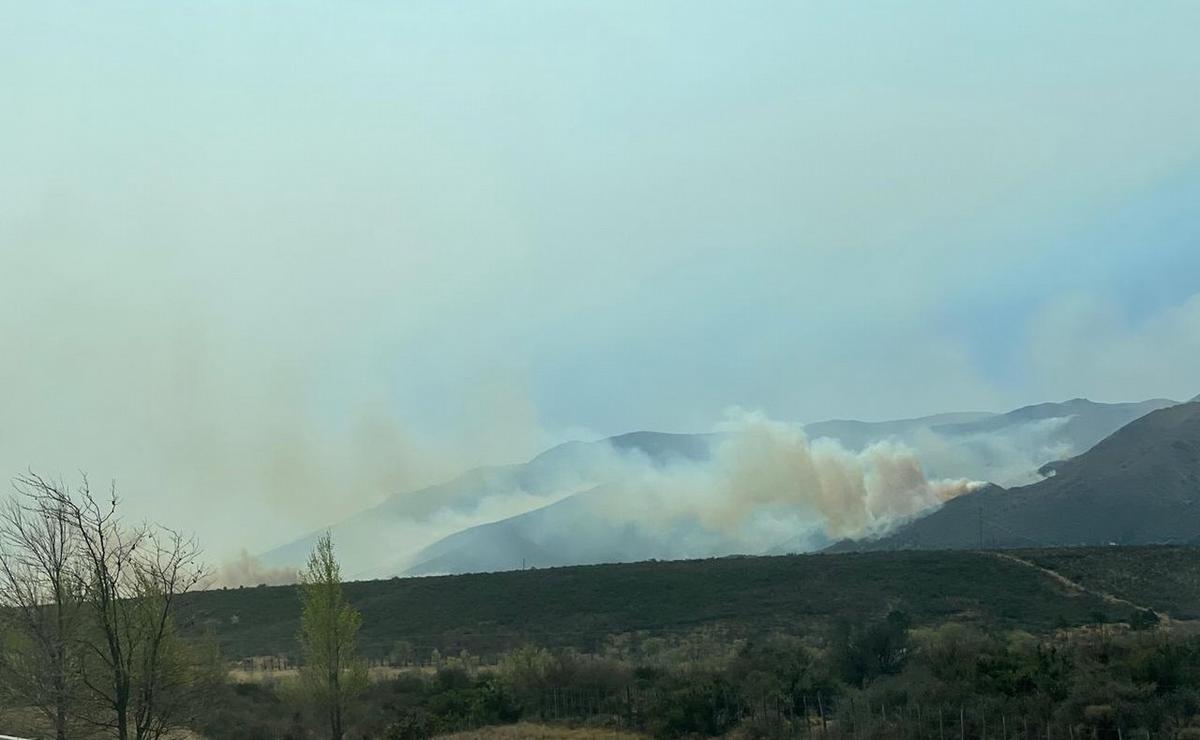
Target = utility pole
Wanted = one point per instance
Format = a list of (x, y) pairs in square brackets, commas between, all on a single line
[(980, 510)]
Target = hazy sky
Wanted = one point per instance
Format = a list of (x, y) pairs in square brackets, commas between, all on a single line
[(295, 255)]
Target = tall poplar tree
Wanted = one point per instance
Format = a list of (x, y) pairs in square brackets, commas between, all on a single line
[(329, 625)]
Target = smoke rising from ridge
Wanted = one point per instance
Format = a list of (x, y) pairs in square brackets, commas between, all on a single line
[(756, 486), (270, 298), (246, 569), (765, 472)]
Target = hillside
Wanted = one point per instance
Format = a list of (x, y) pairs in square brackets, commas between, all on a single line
[(1166, 579), (856, 435), (582, 606), (573, 531), (1141, 485)]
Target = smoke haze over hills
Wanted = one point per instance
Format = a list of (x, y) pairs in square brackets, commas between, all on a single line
[(270, 267), (755, 486)]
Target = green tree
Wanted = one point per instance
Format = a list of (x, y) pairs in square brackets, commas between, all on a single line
[(875, 649), (331, 676)]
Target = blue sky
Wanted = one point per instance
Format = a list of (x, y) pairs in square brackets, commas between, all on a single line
[(470, 230)]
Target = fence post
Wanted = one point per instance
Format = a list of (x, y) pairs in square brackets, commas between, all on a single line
[(962, 722), (941, 726), (821, 709)]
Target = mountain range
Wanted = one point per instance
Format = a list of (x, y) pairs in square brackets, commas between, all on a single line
[(550, 510)]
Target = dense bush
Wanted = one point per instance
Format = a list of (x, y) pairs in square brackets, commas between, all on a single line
[(704, 704), (878, 648), (874, 679), (254, 711)]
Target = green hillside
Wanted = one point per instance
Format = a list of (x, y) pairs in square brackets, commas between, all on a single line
[(581, 606), (1166, 579)]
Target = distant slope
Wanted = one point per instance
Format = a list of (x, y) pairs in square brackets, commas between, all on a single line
[(372, 543), (856, 435), (1007, 449), (1085, 422), (579, 607), (1141, 485), (573, 531), (663, 447)]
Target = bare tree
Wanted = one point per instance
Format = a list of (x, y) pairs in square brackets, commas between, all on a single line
[(134, 666), (167, 676), (40, 601)]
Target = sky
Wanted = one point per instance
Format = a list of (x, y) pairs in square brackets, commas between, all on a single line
[(264, 263)]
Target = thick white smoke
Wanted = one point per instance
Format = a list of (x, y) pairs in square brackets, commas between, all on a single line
[(1008, 458), (767, 476)]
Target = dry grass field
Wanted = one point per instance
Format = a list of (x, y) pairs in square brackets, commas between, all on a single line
[(528, 731), (375, 673)]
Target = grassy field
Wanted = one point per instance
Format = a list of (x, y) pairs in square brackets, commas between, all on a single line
[(581, 606)]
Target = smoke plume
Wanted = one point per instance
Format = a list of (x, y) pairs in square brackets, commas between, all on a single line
[(248, 570), (768, 476)]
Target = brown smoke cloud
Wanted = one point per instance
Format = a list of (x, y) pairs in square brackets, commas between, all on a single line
[(767, 478), (247, 570)]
